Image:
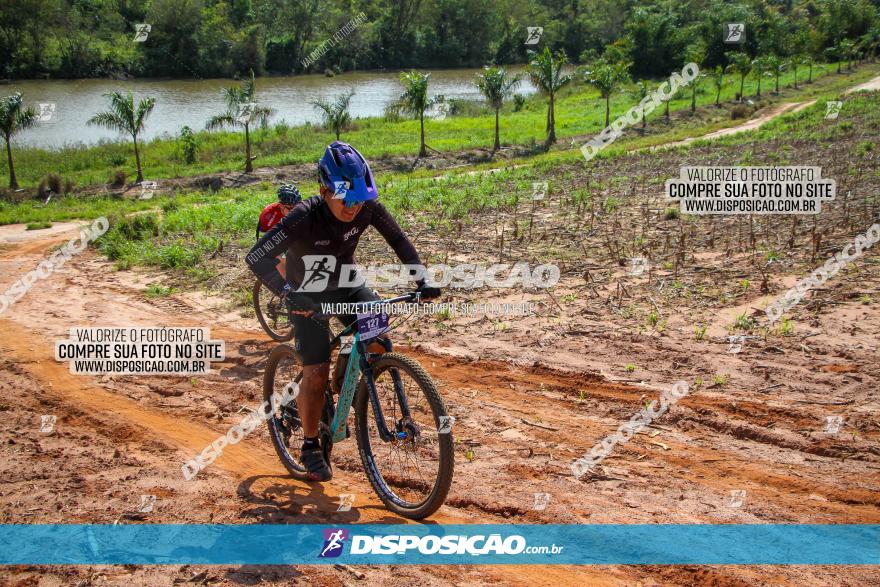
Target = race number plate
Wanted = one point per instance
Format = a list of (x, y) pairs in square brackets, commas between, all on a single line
[(372, 325)]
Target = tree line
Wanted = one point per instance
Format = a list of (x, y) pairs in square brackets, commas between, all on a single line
[(225, 38), (546, 69)]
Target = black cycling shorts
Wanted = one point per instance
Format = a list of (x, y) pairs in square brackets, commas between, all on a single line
[(312, 336)]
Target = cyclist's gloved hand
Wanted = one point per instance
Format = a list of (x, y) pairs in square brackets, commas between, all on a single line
[(428, 292), (297, 302)]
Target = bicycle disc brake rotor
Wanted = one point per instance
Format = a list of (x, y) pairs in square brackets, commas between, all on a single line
[(272, 309), (288, 422)]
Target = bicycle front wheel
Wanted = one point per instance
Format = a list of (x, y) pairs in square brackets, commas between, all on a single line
[(412, 472)]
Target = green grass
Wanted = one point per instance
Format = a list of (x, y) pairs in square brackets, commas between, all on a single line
[(183, 231), (580, 111), (40, 225), (155, 290)]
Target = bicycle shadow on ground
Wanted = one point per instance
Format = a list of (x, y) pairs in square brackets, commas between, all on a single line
[(280, 499)]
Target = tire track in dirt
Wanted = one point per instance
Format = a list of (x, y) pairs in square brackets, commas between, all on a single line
[(678, 452), (32, 352), (723, 415), (243, 461)]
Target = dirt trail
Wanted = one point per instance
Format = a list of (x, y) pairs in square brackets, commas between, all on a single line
[(519, 429), (26, 340), (868, 86), (751, 124)]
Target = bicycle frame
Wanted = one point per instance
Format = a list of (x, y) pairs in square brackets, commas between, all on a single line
[(358, 363)]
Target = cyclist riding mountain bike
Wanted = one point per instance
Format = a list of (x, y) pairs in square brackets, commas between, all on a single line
[(319, 236), (288, 197)]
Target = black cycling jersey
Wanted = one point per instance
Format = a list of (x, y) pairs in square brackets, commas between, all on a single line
[(311, 229)]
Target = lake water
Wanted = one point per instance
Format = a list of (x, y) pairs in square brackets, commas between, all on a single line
[(193, 102)]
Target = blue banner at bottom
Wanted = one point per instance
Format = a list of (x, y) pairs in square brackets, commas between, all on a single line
[(627, 544)]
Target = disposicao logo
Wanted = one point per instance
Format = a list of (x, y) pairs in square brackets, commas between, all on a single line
[(334, 540)]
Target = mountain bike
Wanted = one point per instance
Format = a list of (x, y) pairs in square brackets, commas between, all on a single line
[(272, 313), (402, 427)]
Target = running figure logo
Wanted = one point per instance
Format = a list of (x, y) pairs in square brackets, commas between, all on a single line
[(318, 269), (46, 112), (333, 542), (340, 190), (832, 109), (141, 32), (734, 32), (534, 34)]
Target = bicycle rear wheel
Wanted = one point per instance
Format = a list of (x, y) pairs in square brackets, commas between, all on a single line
[(285, 428), (272, 313), (411, 473)]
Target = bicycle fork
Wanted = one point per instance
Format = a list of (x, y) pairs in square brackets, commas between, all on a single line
[(358, 361), (385, 434)]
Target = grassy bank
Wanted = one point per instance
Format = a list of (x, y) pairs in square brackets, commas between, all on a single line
[(188, 233), (580, 111)]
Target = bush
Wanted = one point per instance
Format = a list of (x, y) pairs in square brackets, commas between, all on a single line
[(138, 227), (51, 184), (178, 255), (518, 102), (740, 111), (117, 179), (462, 107), (170, 206), (282, 128), (116, 159), (671, 213), (392, 113), (55, 183), (188, 144), (43, 189)]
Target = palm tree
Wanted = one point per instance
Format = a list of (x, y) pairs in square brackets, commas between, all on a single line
[(415, 100), (14, 118), (808, 60), (126, 116), (641, 92), (545, 71), (847, 50), (834, 53), (241, 110), (718, 82), (695, 85), (496, 86), (336, 116), (740, 63), (606, 78), (776, 66), (760, 67), (793, 63), (673, 93), (696, 54)]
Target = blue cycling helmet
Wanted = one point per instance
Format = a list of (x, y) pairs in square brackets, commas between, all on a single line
[(346, 172)]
